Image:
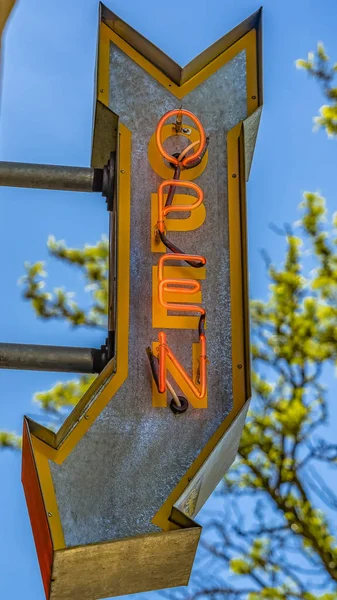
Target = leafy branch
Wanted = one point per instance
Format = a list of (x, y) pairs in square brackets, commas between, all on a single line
[(318, 66), (93, 264)]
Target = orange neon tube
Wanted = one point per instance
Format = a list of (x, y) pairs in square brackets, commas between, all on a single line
[(178, 285), (196, 154), (175, 285), (162, 362), (163, 210), (166, 352)]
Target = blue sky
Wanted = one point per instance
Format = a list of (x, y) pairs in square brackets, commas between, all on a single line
[(46, 116)]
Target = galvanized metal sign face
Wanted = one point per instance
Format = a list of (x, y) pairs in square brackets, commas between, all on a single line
[(131, 459)]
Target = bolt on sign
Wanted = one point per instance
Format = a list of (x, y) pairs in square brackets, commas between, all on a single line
[(113, 495)]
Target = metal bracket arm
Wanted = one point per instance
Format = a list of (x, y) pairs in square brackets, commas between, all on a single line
[(68, 359), (55, 177)]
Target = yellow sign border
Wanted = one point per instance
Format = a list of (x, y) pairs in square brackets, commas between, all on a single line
[(247, 43), (42, 451)]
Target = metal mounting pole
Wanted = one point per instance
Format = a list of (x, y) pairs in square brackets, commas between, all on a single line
[(50, 177), (33, 357), (55, 177)]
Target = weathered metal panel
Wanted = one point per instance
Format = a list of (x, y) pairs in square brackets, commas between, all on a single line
[(137, 564), (134, 455), (211, 472)]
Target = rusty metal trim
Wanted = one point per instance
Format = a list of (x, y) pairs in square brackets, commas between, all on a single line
[(169, 67), (5, 10), (230, 38), (156, 56), (136, 564), (36, 509)]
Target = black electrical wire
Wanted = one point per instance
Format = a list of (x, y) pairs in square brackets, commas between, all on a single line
[(169, 201), (154, 364)]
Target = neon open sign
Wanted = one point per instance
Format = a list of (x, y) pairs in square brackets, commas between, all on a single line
[(173, 291)]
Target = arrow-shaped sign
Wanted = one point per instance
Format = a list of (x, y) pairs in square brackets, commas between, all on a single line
[(112, 495)]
